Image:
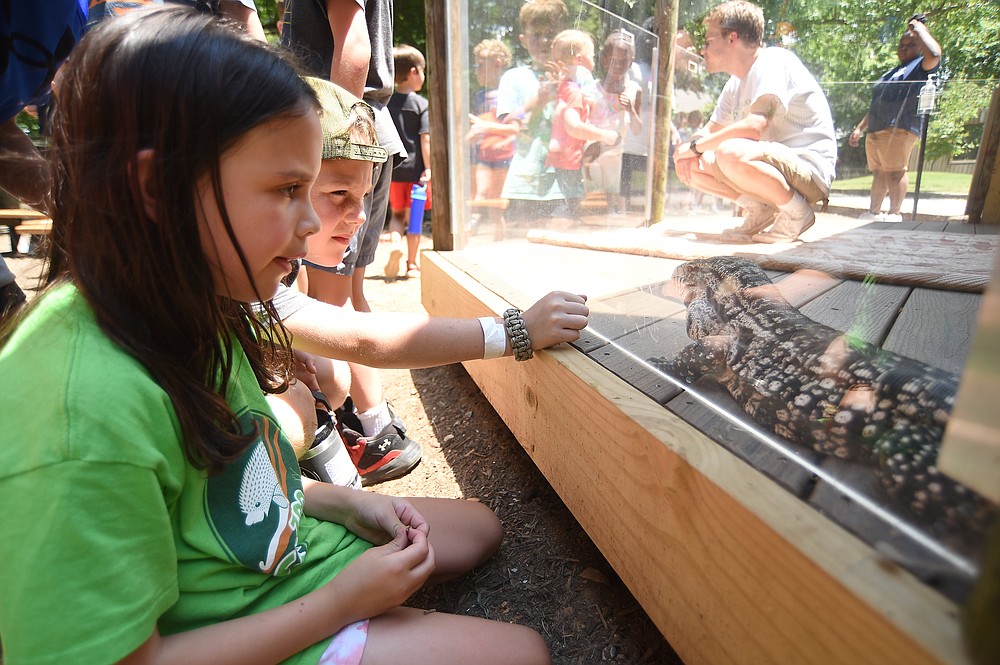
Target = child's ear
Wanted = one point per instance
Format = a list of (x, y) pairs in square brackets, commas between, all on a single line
[(144, 171)]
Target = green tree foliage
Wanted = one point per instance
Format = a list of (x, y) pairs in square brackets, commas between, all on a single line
[(269, 12), (410, 26)]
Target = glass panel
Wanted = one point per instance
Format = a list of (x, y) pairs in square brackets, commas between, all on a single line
[(515, 183), (829, 364)]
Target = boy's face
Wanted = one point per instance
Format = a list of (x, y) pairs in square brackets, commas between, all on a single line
[(338, 197), (537, 41), (417, 78), (488, 71)]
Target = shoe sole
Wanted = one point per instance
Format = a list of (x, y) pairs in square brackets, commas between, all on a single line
[(392, 466)]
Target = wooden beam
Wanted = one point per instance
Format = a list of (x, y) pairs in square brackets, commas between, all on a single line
[(983, 204), (437, 64), (970, 452)]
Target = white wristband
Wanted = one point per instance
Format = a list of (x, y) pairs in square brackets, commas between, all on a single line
[(494, 337)]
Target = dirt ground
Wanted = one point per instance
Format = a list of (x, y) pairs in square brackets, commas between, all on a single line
[(548, 574)]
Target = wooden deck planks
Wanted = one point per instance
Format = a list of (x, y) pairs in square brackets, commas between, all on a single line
[(936, 327), (865, 310)]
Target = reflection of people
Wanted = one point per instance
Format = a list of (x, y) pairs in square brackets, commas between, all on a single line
[(573, 54), (770, 143), (492, 141), (615, 107), (531, 188), (892, 122), (635, 147), (180, 510)]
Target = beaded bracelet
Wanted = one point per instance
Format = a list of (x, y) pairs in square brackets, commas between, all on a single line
[(518, 334)]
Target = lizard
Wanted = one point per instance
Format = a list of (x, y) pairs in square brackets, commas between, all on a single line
[(820, 388)]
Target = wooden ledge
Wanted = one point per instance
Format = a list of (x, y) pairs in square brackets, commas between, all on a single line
[(730, 566)]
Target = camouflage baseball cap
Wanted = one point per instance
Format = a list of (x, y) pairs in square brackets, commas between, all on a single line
[(337, 123)]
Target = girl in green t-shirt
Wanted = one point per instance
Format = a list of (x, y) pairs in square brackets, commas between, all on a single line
[(153, 510)]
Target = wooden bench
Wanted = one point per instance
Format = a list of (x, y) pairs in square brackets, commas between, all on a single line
[(13, 218), (34, 227)]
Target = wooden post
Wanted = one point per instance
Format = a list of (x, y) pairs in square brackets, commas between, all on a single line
[(983, 204), (434, 14), (659, 158)]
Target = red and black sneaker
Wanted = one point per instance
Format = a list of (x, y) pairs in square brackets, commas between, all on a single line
[(388, 455)]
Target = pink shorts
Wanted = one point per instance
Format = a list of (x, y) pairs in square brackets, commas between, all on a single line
[(347, 646)]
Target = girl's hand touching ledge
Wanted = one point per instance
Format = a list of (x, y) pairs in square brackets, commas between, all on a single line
[(556, 318)]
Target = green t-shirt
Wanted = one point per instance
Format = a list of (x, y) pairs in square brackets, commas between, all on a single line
[(108, 531)]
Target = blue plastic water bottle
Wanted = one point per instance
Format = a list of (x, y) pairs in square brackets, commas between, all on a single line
[(418, 199)]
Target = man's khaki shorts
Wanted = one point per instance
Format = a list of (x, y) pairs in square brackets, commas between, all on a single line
[(795, 170), (889, 149)]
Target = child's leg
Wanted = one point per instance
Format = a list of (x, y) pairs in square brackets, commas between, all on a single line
[(334, 377), (416, 637), (412, 252), (464, 534), (295, 410), (497, 176), (399, 203)]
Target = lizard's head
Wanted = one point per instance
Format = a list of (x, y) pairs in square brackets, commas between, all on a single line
[(711, 288), (718, 277)]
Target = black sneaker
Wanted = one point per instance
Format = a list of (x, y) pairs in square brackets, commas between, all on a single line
[(388, 455), (347, 417), (327, 459)]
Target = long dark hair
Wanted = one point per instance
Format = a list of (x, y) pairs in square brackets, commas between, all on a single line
[(188, 87)]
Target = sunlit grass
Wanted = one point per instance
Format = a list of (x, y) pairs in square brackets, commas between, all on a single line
[(936, 182)]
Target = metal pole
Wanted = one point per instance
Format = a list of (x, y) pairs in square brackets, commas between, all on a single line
[(925, 107), (926, 120)]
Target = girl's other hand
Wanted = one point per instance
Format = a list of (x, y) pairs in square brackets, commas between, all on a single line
[(379, 519), (384, 577)]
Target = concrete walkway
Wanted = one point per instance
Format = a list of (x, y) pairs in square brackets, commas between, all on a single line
[(930, 207)]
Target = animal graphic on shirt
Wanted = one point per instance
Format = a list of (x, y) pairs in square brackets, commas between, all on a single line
[(259, 489)]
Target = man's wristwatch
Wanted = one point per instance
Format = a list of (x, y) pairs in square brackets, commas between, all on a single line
[(693, 145)]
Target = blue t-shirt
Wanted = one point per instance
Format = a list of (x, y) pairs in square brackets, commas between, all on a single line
[(39, 36), (894, 97)]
